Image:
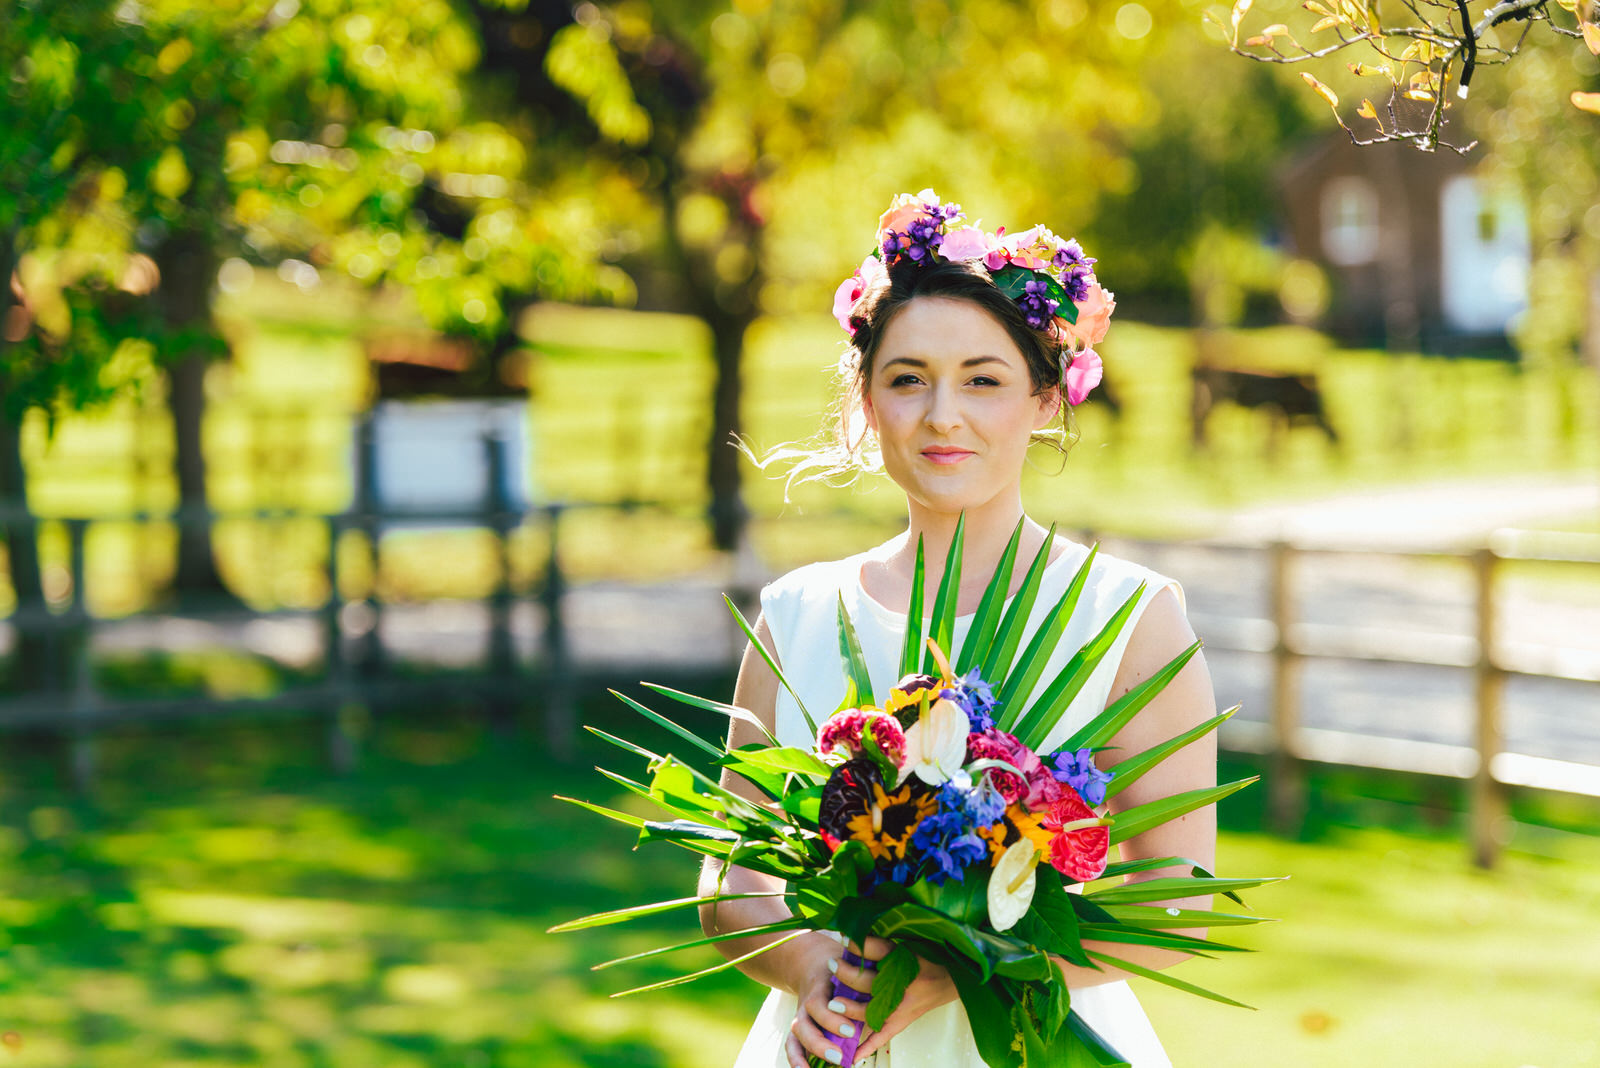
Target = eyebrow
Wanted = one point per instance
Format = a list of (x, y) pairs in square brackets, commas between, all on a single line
[(970, 361)]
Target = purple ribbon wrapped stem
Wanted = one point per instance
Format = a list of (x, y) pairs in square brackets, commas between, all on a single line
[(848, 1046)]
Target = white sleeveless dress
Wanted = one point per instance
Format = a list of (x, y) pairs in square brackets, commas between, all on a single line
[(801, 610)]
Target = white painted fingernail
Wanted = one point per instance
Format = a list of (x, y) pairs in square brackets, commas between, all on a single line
[(836, 1006), (847, 1030), (833, 966), (833, 1056)]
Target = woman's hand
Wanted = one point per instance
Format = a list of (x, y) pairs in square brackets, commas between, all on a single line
[(820, 1012), (931, 988)]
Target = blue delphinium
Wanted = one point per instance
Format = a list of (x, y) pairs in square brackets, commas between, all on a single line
[(1078, 770), (947, 840), (975, 698)]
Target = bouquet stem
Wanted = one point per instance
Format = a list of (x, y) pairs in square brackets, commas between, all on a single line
[(847, 1046)]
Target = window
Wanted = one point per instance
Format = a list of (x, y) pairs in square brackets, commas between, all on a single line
[(1349, 221)]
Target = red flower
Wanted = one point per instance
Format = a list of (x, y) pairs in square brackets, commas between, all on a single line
[(1081, 843)]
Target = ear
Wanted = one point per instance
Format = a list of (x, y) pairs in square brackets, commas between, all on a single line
[(1050, 402), (869, 412)]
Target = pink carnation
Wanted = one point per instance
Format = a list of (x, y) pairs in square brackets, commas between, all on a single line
[(984, 746), (1037, 789), (845, 730)]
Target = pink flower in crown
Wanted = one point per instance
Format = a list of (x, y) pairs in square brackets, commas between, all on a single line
[(1082, 372), (853, 288), (1094, 317), (967, 243), (1032, 248)]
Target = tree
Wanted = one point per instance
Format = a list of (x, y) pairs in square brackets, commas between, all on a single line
[(341, 131), (764, 135), (1418, 55)]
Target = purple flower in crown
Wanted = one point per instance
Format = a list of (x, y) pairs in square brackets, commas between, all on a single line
[(1070, 254), (1038, 307), (1078, 770), (1075, 281), (914, 227)]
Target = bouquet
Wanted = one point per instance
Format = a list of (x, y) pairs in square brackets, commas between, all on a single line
[(930, 818)]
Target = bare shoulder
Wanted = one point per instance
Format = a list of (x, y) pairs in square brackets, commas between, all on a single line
[(1161, 633)]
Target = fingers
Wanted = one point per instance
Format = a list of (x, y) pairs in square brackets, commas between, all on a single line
[(807, 1035), (875, 948), (852, 975)]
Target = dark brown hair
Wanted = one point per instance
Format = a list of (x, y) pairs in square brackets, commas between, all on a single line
[(967, 281)]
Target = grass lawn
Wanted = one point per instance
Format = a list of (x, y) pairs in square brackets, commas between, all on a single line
[(225, 901)]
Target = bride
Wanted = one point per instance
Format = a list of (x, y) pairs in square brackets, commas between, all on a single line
[(960, 357)]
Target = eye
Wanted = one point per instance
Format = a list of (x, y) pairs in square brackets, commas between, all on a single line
[(907, 379), (985, 380)]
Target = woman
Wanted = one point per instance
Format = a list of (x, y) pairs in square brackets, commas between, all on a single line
[(947, 382)]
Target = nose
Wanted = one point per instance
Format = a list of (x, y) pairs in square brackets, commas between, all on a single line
[(944, 410)]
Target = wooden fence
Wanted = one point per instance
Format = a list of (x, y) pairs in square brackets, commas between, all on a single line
[(355, 675)]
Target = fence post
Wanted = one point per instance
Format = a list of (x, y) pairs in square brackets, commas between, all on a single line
[(346, 712), (368, 503), (1488, 799), (1286, 785), (77, 670), (497, 507), (558, 683)]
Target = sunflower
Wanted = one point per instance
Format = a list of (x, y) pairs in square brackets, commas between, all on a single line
[(889, 820)]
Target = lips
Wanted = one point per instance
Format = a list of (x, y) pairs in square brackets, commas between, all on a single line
[(944, 454)]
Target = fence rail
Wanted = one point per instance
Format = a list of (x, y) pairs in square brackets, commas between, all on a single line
[(354, 673)]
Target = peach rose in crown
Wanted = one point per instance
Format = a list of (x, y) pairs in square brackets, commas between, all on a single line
[(1094, 317), (903, 211)]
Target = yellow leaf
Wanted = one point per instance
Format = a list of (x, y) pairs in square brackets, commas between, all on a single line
[(1589, 102), (170, 176), (1361, 70), (1240, 9), (1367, 111), (1321, 90), (1277, 29), (1322, 24), (1313, 6), (1591, 36), (1419, 94)]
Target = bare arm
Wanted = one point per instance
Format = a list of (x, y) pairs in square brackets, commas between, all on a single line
[(799, 966), (1161, 634)]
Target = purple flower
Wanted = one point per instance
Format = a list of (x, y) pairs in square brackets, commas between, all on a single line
[(1038, 307), (1070, 254), (1075, 282), (1078, 770), (976, 699)]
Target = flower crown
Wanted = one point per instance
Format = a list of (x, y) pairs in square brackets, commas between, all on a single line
[(1051, 280)]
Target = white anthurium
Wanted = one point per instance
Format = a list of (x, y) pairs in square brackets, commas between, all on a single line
[(1012, 882), (936, 744)]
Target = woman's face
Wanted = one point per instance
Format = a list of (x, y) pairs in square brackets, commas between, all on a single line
[(952, 404)]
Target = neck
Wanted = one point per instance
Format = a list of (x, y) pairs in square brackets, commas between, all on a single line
[(986, 532)]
